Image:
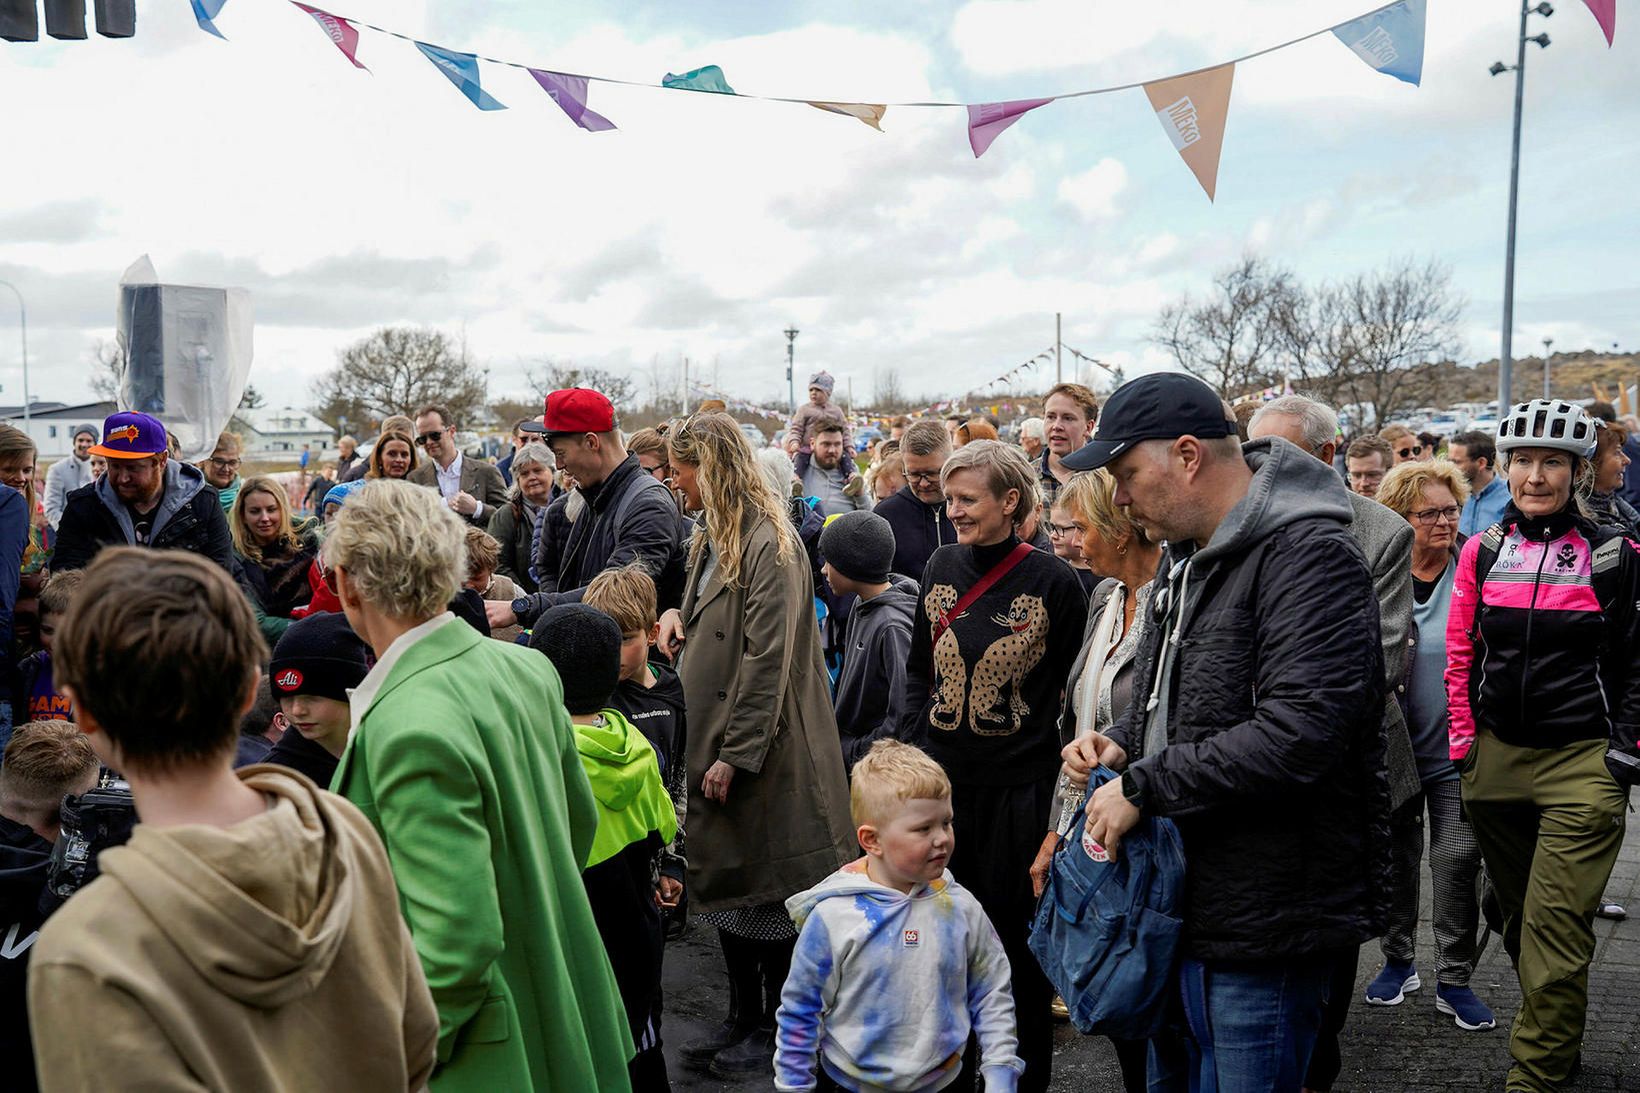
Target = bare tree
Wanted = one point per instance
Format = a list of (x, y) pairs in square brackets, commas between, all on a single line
[(397, 369), (1376, 338), (1232, 338), (620, 389), (887, 393), (107, 368)]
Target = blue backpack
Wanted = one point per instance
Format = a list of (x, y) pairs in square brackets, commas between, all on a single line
[(1107, 933)]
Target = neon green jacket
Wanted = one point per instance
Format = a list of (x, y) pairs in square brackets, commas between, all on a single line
[(626, 779)]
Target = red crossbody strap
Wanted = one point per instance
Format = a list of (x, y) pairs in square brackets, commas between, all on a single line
[(981, 587)]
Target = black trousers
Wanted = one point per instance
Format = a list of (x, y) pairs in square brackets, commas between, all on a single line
[(998, 832)]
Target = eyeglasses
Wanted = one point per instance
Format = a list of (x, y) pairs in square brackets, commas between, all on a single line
[(922, 476), (427, 440), (1408, 453), (328, 576), (224, 464), (1433, 516), (657, 471), (1059, 531)]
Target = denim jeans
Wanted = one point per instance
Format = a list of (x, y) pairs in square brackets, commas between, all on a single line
[(1250, 1026)]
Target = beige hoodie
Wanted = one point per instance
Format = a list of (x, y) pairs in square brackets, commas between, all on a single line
[(270, 955)]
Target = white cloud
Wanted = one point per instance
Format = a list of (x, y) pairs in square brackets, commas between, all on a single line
[(1093, 193)]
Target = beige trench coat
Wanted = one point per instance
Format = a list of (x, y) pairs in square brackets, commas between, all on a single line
[(758, 698)]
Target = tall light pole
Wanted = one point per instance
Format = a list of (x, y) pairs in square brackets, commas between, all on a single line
[(1505, 358), (791, 382), (22, 322)]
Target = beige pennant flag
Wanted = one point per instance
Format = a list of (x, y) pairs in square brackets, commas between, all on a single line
[(1193, 109), (870, 114)]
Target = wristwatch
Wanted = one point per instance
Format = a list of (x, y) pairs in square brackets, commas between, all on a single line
[(521, 605), (1131, 791)]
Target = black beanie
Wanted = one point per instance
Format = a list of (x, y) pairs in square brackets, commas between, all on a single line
[(319, 655), (584, 644), (859, 545)]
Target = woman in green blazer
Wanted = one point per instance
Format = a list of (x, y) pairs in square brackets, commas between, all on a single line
[(463, 757)]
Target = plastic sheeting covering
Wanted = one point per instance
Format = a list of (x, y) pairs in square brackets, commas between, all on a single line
[(188, 355)]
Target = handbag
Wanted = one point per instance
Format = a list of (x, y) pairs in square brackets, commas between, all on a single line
[(981, 587), (1106, 933)]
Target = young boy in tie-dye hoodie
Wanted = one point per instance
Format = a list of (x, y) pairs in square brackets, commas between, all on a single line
[(895, 963)]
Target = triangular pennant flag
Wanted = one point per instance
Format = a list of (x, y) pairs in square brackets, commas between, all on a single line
[(1390, 40), (570, 93), (204, 12), (709, 78), (1193, 110), (871, 114), (987, 120), (462, 70), (1605, 13), (342, 33)]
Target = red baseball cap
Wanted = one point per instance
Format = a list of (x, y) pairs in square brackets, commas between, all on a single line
[(578, 410)]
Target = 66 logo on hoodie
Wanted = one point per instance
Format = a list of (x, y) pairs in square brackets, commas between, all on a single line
[(912, 940)]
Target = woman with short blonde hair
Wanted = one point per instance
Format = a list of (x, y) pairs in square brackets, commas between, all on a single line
[(404, 551)]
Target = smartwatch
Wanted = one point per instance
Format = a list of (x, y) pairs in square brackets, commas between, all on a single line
[(1131, 791)]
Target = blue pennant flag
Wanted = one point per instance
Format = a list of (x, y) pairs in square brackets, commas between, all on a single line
[(1390, 41), (204, 12), (462, 70), (709, 78)]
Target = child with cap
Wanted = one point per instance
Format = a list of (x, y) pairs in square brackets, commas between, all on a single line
[(895, 962), (858, 548), (317, 662), (635, 819), (800, 434)]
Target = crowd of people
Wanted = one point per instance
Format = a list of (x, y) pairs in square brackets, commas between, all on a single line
[(410, 780)]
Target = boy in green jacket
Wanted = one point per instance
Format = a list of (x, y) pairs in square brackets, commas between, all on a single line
[(635, 820)]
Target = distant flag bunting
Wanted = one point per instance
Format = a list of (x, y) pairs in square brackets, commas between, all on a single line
[(570, 93), (342, 33), (1605, 13), (869, 113), (709, 78), (205, 13), (987, 120), (1193, 109), (1390, 40), (462, 70)]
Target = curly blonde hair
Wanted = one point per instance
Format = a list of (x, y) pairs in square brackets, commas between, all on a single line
[(244, 543), (733, 491), (1403, 486), (402, 548)]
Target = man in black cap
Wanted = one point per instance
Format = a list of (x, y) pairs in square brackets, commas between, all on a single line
[(69, 474), (1256, 725)]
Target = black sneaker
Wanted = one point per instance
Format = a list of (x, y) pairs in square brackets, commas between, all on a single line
[(753, 1055)]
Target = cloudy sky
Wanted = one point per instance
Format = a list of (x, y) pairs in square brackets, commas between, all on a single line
[(706, 225)]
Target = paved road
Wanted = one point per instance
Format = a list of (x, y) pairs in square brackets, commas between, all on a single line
[(1406, 1049)]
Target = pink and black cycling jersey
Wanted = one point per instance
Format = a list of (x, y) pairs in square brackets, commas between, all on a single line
[(1530, 653)]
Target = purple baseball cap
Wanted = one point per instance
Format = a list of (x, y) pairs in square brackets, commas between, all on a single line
[(131, 435)]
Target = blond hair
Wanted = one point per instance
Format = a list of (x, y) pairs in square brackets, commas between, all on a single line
[(1004, 467), (483, 552), (402, 548), (1403, 486), (646, 442), (43, 761), (627, 595), (889, 775), (59, 590), (244, 543), (1092, 496), (733, 491)]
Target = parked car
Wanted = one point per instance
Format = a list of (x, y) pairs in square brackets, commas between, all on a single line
[(754, 435)]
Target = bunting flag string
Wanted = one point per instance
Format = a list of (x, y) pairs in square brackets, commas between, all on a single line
[(1191, 106)]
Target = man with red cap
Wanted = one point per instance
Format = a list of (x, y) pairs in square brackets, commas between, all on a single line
[(145, 499), (629, 515)]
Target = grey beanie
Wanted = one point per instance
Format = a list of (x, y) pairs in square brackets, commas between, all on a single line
[(584, 644), (859, 545), (90, 430)]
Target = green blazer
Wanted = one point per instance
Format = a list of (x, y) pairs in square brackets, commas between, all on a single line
[(466, 764)]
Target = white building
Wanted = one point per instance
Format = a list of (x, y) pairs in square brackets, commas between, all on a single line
[(52, 424), (280, 433)]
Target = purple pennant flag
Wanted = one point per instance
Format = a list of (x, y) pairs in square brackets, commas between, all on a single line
[(570, 93), (986, 121)]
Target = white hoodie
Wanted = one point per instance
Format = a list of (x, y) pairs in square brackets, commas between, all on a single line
[(885, 987)]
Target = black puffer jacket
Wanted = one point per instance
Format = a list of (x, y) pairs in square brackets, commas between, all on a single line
[(189, 518), (1274, 766)]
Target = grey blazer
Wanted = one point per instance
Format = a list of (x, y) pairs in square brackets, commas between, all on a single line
[(1386, 540)]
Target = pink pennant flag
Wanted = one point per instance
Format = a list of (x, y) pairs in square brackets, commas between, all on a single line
[(1193, 110), (987, 120), (343, 33), (1605, 13), (570, 93)]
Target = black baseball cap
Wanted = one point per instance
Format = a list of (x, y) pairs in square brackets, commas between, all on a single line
[(1160, 406)]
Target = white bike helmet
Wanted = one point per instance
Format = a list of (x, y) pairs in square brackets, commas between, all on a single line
[(1547, 423)]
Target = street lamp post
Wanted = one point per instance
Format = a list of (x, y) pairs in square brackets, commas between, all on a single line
[(22, 322), (1505, 358), (791, 382)]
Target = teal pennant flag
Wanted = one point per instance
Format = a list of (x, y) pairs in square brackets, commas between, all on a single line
[(709, 78)]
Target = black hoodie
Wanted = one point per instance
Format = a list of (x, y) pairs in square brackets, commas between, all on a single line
[(919, 530), (658, 713), (23, 859), (871, 686)]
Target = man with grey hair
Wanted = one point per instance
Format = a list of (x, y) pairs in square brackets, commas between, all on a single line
[(1033, 436), (1386, 541)]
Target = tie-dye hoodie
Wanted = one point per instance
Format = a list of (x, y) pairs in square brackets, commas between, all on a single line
[(885, 987)]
